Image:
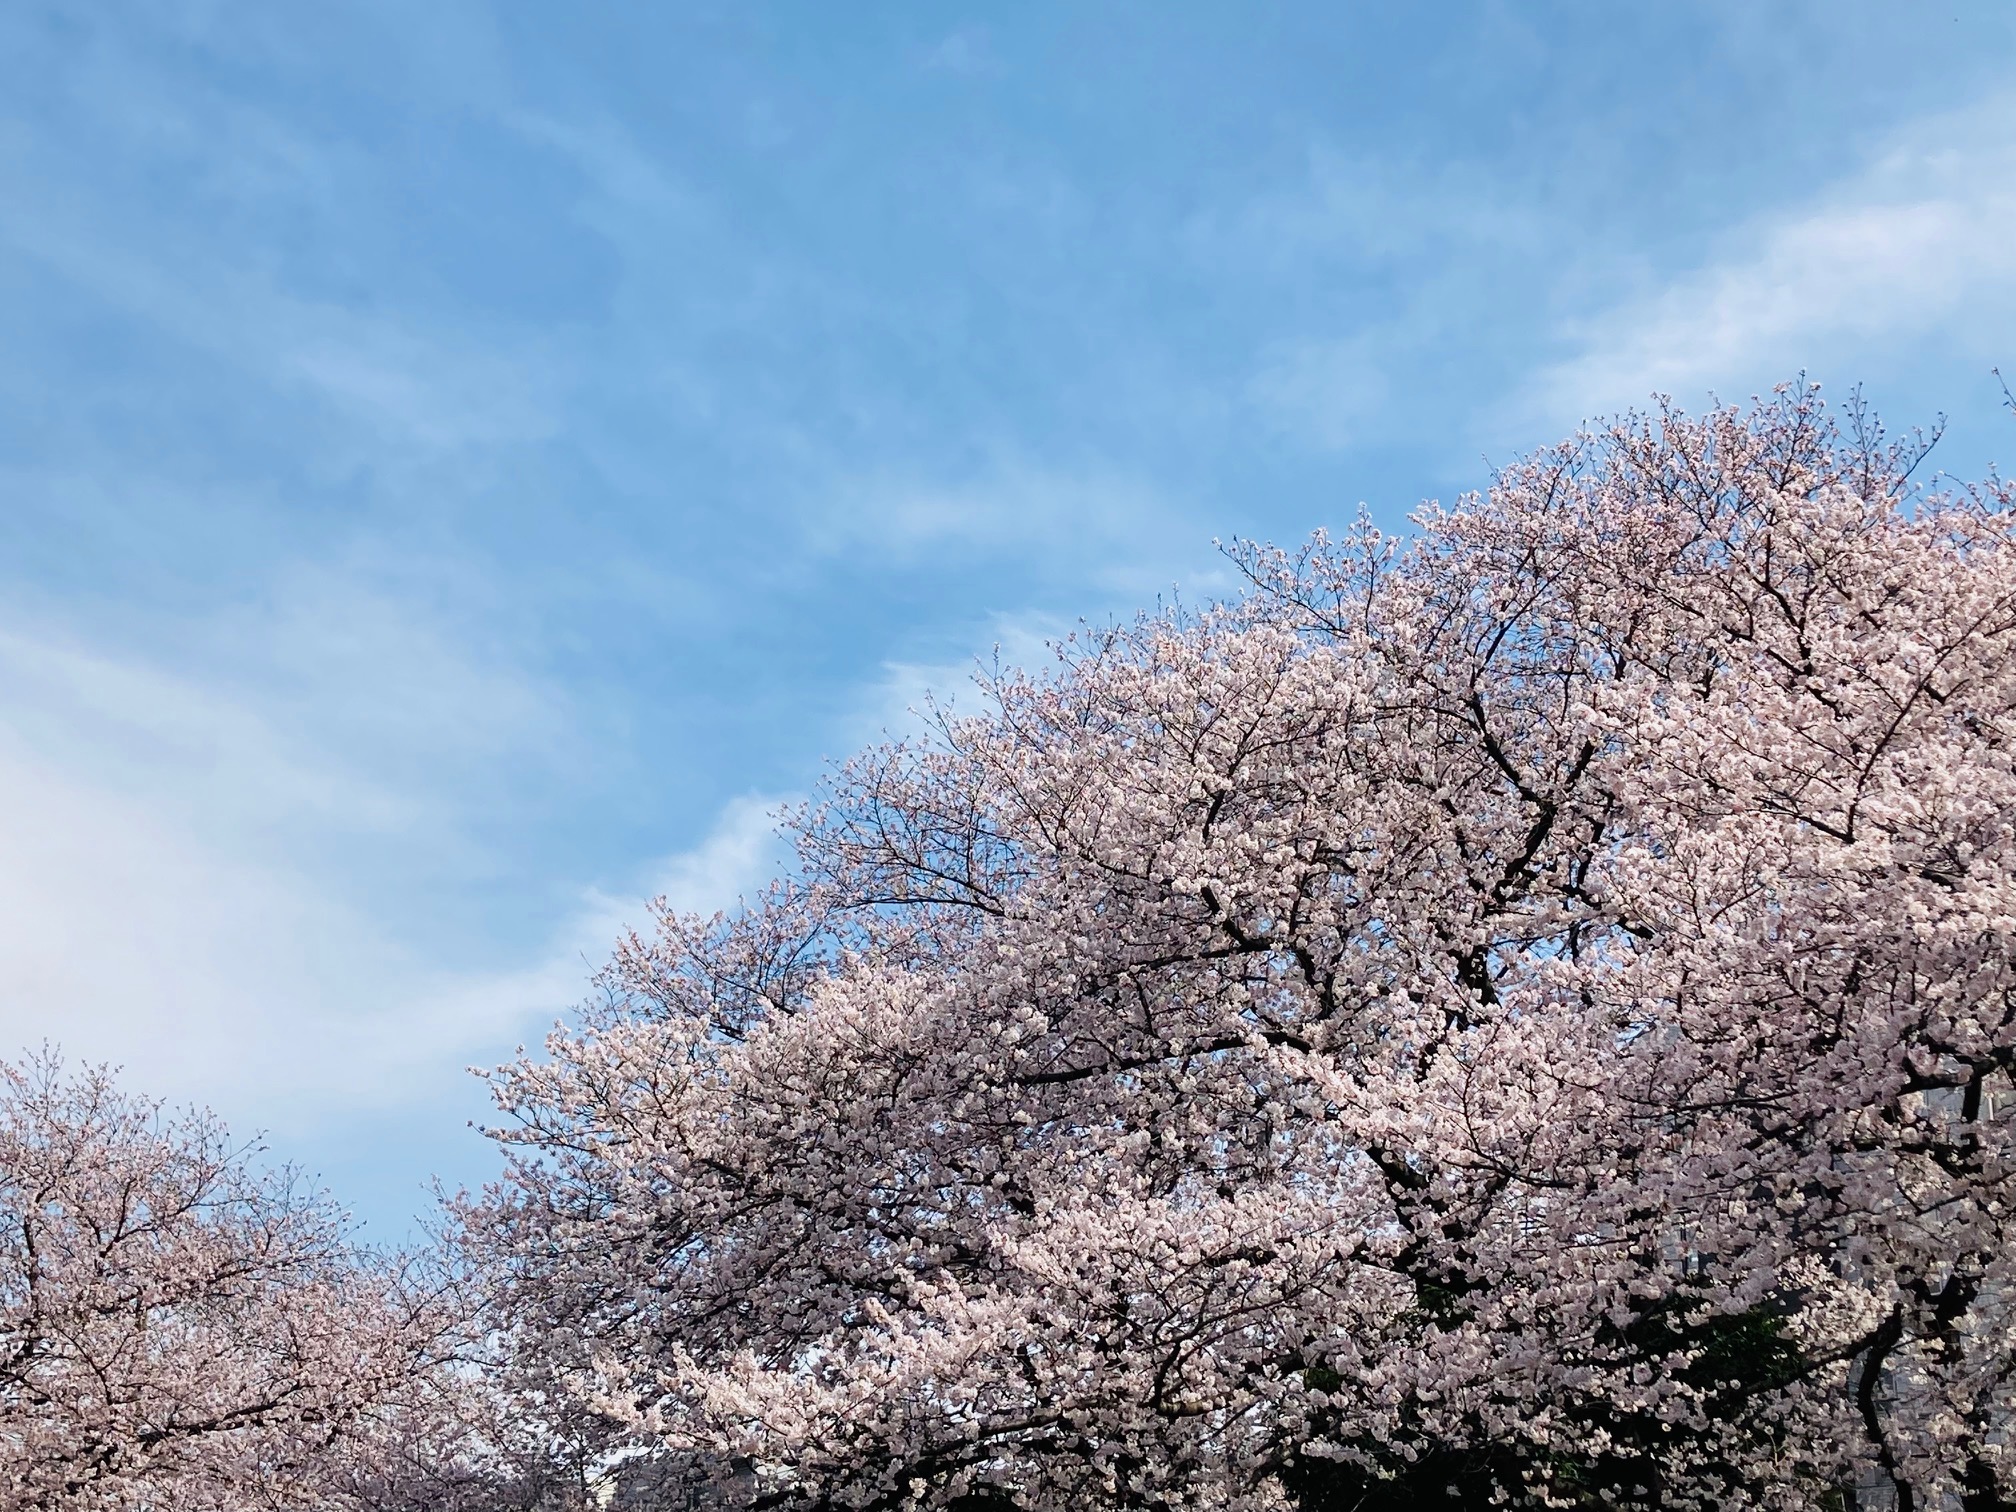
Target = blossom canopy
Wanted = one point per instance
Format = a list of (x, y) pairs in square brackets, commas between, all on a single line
[(1520, 1010)]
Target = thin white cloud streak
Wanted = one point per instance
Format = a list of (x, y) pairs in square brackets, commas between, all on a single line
[(1114, 530), (213, 978), (1351, 209), (200, 278), (402, 385), (898, 705), (326, 702), (739, 854), (1006, 502), (1408, 234), (133, 725), (1921, 241), (166, 902)]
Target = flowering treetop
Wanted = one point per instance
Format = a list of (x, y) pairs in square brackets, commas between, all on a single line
[(1522, 1010)]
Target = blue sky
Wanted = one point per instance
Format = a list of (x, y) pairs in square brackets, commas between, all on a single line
[(464, 464)]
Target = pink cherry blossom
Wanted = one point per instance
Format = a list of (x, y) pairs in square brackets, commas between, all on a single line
[(1523, 1010), (181, 1328)]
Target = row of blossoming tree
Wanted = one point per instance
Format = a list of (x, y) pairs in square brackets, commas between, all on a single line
[(1521, 1013)]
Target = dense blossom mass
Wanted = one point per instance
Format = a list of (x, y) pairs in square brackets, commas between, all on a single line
[(1522, 1011), (183, 1329), (1519, 1014)]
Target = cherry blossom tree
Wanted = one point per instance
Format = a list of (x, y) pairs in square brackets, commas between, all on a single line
[(459, 1440), (1520, 1012), (182, 1328)]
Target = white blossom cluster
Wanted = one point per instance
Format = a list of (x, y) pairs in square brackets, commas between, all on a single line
[(182, 1329), (1521, 1014)]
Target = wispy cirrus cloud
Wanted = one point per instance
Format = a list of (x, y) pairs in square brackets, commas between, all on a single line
[(217, 870), (217, 975), (1396, 243), (402, 384), (900, 703), (1009, 506), (238, 249), (1919, 241), (327, 700)]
